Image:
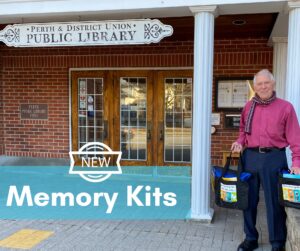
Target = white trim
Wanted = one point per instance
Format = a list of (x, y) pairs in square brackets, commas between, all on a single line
[(293, 4), (70, 111), (116, 6), (203, 218), (208, 8), (279, 39), (279, 64), (292, 91), (201, 129), (78, 10)]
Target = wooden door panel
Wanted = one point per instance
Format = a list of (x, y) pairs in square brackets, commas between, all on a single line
[(91, 107), (174, 135), (133, 116)]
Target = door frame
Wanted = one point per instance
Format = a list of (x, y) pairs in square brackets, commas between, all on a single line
[(149, 76), (107, 93), (159, 116), (157, 74)]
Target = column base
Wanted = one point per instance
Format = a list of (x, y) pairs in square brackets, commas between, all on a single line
[(203, 218)]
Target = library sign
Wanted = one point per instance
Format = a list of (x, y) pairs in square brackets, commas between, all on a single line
[(143, 31)]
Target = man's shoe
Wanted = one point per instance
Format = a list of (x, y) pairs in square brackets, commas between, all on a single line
[(278, 249), (248, 245)]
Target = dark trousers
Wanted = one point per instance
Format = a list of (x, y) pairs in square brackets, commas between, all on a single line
[(265, 168)]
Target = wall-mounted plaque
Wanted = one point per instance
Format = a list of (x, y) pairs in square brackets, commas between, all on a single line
[(233, 94), (232, 120), (215, 119), (135, 31), (34, 111)]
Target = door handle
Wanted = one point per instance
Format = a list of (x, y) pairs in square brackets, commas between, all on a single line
[(161, 131), (149, 130), (105, 131)]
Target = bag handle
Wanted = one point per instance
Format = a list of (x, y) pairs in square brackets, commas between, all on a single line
[(227, 165), (240, 167)]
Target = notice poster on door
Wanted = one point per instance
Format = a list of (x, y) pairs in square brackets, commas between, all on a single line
[(82, 105), (90, 106), (82, 102), (82, 87)]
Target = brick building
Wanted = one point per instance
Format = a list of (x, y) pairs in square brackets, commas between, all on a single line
[(139, 98)]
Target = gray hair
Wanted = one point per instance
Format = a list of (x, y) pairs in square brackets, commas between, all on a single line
[(264, 72)]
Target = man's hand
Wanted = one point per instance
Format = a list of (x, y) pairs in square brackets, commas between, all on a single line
[(237, 147), (295, 170)]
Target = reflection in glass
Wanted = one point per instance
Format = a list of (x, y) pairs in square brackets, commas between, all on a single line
[(124, 135), (82, 134), (124, 118), (90, 110), (90, 134), (99, 134), (133, 93), (141, 118), (187, 103), (186, 153), (98, 102), (90, 86), (124, 150), (142, 153), (82, 121), (82, 144), (99, 119), (98, 86), (177, 103), (133, 118), (178, 120), (91, 121)]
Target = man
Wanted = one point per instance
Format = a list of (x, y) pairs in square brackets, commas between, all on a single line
[(268, 125)]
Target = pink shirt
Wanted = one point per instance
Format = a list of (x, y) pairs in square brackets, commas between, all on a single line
[(273, 125)]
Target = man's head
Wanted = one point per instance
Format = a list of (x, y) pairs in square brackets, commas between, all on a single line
[(264, 84)]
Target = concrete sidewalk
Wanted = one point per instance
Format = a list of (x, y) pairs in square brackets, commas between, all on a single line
[(225, 233)]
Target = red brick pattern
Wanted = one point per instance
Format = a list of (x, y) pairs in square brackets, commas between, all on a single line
[(41, 75), (236, 58)]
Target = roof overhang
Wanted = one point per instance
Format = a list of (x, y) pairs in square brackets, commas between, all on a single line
[(31, 11), (16, 11)]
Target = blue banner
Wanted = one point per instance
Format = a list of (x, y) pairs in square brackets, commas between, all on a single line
[(139, 192)]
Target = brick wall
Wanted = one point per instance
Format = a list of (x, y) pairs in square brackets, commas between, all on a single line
[(236, 58), (40, 75)]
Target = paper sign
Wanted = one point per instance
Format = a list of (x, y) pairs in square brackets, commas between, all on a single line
[(291, 193), (228, 193)]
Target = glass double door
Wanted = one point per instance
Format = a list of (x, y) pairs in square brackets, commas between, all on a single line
[(145, 114)]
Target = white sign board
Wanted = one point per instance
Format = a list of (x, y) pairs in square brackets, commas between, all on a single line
[(215, 119), (143, 31), (233, 93)]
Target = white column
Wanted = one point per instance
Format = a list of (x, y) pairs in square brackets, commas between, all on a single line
[(293, 59), (279, 64), (202, 102)]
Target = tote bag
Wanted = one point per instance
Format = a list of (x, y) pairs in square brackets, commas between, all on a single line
[(289, 189), (231, 187)]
